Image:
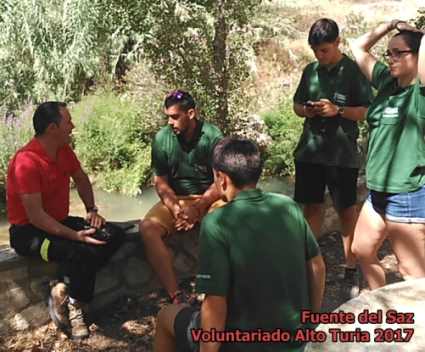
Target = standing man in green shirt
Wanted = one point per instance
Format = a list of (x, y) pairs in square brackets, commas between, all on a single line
[(260, 264), (332, 96), (181, 160)]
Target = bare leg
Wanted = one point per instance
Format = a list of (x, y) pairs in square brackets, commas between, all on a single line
[(313, 213), (158, 255), (348, 218), (408, 243), (165, 340), (369, 234)]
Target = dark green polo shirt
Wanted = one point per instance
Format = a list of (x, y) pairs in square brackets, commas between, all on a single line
[(188, 166), (396, 155), (254, 251), (331, 141)]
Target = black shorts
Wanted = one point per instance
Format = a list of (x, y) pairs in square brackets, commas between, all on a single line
[(311, 180), (187, 319)]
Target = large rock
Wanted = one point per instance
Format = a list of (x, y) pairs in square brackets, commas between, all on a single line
[(393, 312)]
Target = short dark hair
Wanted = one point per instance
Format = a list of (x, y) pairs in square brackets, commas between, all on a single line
[(45, 114), (180, 97), (238, 158), (322, 31), (412, 39)]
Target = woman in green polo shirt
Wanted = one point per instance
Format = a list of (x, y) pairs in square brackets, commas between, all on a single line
[(395, 168)]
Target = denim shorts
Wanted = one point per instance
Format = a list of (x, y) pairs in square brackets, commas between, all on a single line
[(406, 207)]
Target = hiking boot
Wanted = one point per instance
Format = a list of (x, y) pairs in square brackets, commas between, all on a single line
[(79, 328), (58, 305)]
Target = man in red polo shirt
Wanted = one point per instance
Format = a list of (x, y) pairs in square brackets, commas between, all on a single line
[(38, 205)]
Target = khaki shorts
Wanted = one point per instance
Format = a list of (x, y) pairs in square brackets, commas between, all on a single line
[(160, 214)]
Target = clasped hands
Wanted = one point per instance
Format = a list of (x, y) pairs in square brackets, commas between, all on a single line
[(322, 108), (186, 217)]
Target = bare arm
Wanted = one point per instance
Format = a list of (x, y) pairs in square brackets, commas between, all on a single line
[(85, 191), (209, 197), (84, 188), (194, 212), (213, 316), (167, 195), (421, 61), (360, 47), (354, 113), (316, 273), (40, 219), (326, 108)]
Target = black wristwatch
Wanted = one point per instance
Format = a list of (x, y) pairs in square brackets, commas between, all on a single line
[(92, 209)]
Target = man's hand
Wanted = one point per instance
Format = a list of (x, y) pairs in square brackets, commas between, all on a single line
[(310, 111), (95, 219), (326, 108), (191, 214), (181, 222), (86, 237), (188, 218)]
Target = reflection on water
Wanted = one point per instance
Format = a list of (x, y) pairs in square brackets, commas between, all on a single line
[(112, 206), (117, 207)]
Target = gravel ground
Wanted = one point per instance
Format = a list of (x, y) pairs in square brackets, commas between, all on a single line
[(129, 325)]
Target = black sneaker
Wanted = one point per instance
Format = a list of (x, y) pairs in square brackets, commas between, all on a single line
[(351, 283)]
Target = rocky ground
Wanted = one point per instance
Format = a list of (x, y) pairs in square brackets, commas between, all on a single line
[(129, 325)]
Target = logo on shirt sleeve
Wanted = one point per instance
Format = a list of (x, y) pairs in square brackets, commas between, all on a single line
[(203, 276), (340, 99)]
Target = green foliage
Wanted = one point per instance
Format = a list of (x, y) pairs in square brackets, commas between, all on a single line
[(113, 137), (15, 131), (56, 49), (183, 48), (420, 19), (285, 129)]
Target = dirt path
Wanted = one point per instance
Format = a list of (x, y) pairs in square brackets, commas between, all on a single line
[(129, 324)]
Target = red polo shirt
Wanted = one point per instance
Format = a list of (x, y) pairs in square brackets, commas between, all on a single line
[(32, 171)]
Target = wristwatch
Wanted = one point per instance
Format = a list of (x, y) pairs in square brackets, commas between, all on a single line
[(340, 110), (92, 209)]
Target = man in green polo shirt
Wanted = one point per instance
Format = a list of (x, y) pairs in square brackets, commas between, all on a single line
[(260, 265), (332, 96), (181, 160)]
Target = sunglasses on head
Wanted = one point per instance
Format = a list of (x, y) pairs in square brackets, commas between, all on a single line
[(177, 94)]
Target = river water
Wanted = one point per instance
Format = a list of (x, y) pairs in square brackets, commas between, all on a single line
[(118, 207)]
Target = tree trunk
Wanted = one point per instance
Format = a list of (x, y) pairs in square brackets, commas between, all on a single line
[(220, 65)]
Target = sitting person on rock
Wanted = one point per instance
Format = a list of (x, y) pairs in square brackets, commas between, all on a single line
[(260, 264), (38, 187), (181, 160)]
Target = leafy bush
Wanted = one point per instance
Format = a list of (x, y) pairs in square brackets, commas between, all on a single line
[(113, 137), (57, 49), (285, 128), (15, 131), (203, 47)]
